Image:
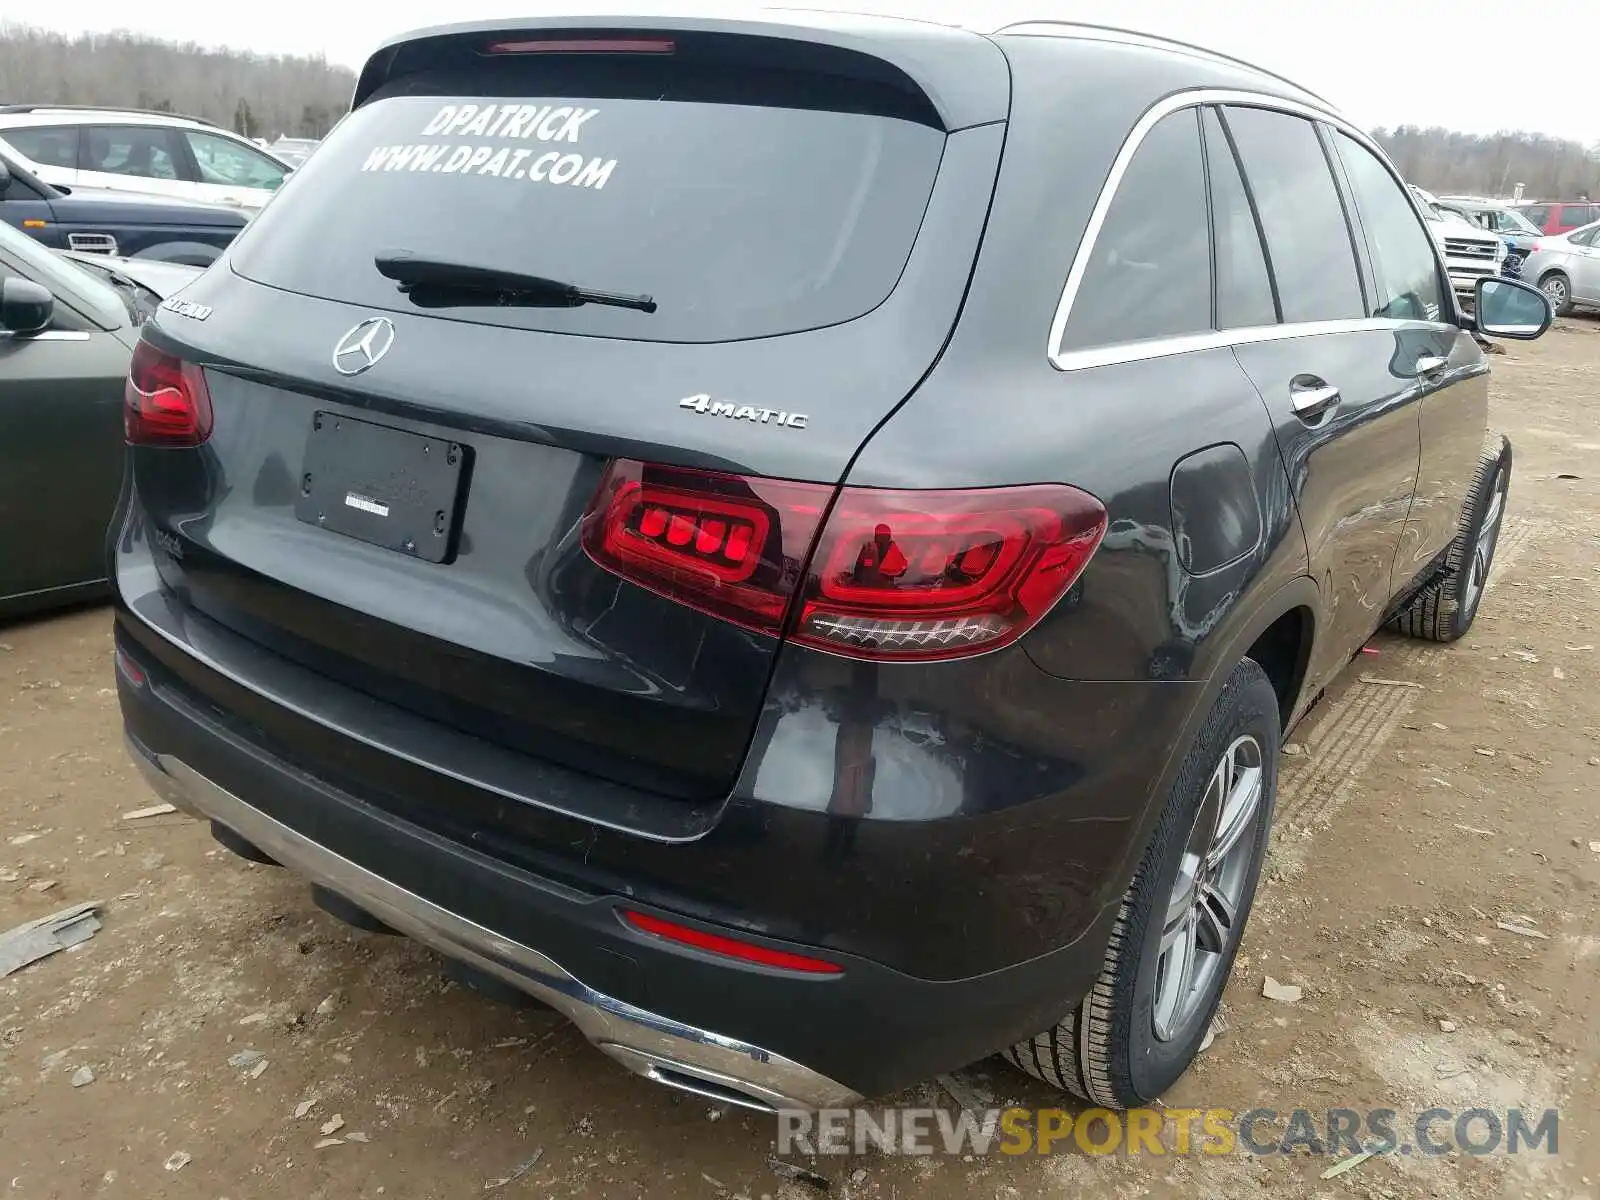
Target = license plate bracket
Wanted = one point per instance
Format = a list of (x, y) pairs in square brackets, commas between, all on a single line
[(388, 487)]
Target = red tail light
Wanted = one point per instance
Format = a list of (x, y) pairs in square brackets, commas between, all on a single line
[(165, 401), (715, 943), (908, 575)]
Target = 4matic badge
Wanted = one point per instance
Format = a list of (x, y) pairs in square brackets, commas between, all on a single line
[(743, 412)]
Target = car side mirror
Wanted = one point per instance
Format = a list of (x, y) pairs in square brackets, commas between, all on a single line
[(25, 307), (1509, 308)]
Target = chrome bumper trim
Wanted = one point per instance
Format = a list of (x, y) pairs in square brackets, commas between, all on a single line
[(657, 1047)]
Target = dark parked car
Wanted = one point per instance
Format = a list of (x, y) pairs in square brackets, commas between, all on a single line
[(117, 223), (810, 579), (67, 329)]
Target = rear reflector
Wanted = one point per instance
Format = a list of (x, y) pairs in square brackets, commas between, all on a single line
[(165, 400), (727, 947), (584, 46), (130, 669), (893, 575)]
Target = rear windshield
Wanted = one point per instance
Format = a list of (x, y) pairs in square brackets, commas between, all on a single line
[(740, 220)]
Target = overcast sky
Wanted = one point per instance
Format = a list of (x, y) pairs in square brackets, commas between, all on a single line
[(1467, 64)]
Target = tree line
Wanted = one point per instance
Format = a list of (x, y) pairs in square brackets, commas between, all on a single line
[(1447, 162), (258, 95)]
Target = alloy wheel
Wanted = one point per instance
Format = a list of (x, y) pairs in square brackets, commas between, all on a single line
[(1203, 913), (1483, 547)]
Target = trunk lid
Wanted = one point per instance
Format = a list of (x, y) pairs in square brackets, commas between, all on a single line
[(785, 331)]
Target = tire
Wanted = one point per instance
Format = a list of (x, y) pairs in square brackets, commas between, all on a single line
[(1445, 609), (1558, 290), (1127, 1042)]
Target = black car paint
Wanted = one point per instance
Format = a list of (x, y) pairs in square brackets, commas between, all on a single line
[(159, 227), (963, 829)]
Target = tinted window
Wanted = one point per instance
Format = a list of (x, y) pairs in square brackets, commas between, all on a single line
[(131, 150), (1149, 272), (1577, 214), (1581, 237), (1307, 238), (1402, 252), (1537, 213), (50, 146), (740, 219), (223, 160), (1244, 289)]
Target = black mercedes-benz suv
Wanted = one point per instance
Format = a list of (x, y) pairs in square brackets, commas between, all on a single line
[(795, 540)]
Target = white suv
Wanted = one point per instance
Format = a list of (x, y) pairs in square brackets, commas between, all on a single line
[(1470, 252), (125, 150)]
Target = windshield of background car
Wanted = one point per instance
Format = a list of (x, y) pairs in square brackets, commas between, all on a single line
[(742, 220)]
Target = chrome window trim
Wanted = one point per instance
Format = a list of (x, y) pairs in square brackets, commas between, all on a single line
[(1216, 339), (1120, 352)]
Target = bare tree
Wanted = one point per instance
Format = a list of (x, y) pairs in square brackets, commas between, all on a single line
[(1445, 161), (255, 94)]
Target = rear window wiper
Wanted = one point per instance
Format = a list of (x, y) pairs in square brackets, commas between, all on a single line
[(431, 283)]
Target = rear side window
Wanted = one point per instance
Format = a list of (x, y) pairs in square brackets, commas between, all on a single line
[(1244, 287), (1313, 258), (145, 153), (47, 145), (1149, 272), (741, 220), (1406, 267)]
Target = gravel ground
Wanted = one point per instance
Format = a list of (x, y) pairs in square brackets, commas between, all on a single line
[(231, 1027)]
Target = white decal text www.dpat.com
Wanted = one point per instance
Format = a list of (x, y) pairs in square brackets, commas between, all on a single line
[(560, 123)]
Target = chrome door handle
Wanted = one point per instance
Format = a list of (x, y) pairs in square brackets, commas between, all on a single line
[(1313, 400), (1429, 363)]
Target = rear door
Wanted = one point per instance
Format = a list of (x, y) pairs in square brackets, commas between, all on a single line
[(1341, 388), (134, 158)]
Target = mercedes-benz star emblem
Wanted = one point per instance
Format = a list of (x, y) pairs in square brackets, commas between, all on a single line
[(363, 346)]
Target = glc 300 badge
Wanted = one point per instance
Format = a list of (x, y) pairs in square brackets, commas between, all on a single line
[(743, 412)]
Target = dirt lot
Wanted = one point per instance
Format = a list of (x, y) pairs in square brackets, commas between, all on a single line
[(1413, 818)]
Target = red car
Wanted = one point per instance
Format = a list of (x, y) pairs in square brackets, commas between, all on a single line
[(1560, 217)]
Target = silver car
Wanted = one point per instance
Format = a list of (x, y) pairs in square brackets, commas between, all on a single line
[(1566, 267)]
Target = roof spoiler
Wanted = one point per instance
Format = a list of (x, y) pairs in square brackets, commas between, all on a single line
[(961, 77)]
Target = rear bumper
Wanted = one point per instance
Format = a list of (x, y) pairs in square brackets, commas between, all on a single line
[(647, 1043), (742, 1033)]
